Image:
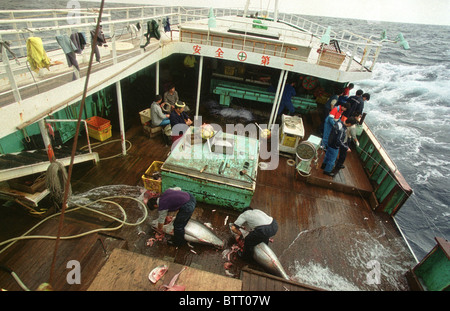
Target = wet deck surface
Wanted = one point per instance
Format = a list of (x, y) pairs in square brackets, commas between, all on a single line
[(326, 238)]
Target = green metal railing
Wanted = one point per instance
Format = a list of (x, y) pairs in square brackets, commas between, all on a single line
[(390, 188)]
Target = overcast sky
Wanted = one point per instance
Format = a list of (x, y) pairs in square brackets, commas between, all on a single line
[(407, 11)]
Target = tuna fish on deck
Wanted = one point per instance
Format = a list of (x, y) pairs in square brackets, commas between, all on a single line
[(194, 232)]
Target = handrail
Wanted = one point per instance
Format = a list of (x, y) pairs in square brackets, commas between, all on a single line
[(117, 19), (70, 120)]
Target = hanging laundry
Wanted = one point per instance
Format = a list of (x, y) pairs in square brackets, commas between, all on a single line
[(69, 49), (82, 38), (75, 38), (166, 24), (152, 32), (36, 55), (100, 41), (132, 29)]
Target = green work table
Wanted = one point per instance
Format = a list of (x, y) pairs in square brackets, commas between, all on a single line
[(210, 169)]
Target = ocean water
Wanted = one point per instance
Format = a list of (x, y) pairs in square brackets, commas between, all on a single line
[(408, 112)]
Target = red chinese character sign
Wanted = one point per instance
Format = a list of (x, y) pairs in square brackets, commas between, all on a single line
[(197, 49), (219, 53), (242, 56), (265, 60)]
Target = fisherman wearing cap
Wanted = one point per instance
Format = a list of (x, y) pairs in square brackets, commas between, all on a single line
[(171, 96), (174, 200), (180, 119), (261, 226)]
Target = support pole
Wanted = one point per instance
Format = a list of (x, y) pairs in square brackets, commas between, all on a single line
[(247, 4), (200, 69), (277, 98), (121, 123), (47, 141), (119, 98), (157, 78), (275, 18)]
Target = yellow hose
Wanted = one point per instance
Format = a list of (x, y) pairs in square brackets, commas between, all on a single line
[(104, 200)]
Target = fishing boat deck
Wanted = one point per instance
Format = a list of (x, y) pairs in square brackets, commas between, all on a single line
[(326, 238), (135, 270)]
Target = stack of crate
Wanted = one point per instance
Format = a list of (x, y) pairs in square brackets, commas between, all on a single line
[(150, 130)]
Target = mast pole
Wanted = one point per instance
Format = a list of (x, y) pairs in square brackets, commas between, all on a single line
[(247, 4), (275, 18)]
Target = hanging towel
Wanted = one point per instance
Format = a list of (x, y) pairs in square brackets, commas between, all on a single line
[(132, 29), (75, 38), (36, 55), (152, 32), (66, 44), (82, 38), (69, 49), (100, 40), (166, 24)]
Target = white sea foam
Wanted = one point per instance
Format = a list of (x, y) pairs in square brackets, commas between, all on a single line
[(316, 275)]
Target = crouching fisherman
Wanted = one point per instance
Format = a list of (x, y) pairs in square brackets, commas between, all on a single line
[(261, 226), (173, 200)]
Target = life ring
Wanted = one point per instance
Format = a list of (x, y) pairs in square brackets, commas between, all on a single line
[(310, 83)]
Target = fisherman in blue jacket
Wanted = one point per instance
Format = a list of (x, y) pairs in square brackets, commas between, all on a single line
[(336, 140), (286, 99)]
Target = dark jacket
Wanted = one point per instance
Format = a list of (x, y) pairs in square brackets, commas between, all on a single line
[(337, 136), (178, 119)]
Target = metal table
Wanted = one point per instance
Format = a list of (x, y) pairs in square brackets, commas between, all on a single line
[(210, 169)]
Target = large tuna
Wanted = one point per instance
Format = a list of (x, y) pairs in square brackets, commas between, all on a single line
[(264, 256), (194, 232)]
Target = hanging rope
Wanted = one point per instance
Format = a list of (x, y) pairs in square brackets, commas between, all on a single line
[(75, 143), (56, 179)]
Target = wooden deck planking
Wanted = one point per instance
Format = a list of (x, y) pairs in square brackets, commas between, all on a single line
[(253, 280), (128, 271), (31, 259), (316, 224)]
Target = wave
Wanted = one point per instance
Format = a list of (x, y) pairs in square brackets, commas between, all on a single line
[(408, 112)]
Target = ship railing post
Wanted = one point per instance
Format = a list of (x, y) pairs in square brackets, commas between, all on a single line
[(367, 50), (56, 24), (10, 73), (19, 39), (352, 56), (375, 58), (113, 43)]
